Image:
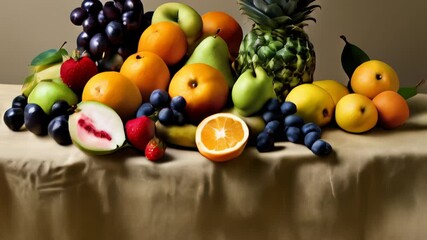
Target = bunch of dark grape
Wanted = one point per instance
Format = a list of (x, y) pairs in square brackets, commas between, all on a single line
[(282, 124), (169, 111), (111, 31), (35, 120)]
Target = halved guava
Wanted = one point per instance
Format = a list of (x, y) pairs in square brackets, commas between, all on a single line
[(96, 128)]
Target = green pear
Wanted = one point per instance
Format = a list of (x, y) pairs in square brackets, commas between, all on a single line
[(47, 92), (213, 51), (251, 91)]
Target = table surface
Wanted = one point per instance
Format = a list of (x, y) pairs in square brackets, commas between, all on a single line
[(373, 186)]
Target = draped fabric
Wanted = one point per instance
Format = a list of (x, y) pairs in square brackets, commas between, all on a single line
[(373, 187)]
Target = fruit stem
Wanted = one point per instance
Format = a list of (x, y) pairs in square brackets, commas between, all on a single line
[(63, 44), (217, 32), (420, 83), (344, 38)]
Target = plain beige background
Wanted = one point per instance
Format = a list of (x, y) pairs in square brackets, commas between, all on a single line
[(389, 30)]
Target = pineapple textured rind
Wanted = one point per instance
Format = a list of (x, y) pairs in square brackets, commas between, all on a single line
[(278, 42)]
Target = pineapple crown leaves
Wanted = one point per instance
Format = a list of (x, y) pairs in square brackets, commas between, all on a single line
[(273, 14)]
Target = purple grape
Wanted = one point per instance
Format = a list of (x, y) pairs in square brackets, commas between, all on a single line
[(131, 20), (102, 20), (110, 11), (78, 15), (91, 25), (92, 6), (98, 45), (114, 32), (35, 119), (83, 40), (133, 5)]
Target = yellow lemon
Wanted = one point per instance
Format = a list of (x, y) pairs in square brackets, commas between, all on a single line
[(314, 104), (336, 89)]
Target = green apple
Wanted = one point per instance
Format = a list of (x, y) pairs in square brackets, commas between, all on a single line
[(314, 104), (251, 91), (356, 113), (185, 16), (47, 92)]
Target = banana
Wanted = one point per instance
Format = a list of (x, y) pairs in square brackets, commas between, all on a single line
[(255, 122), (183, 136), (52, 72), (351, 57)]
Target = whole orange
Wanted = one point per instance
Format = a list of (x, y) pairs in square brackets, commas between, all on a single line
[(165, 39), (148, 71), (373, 77), (225, 26), (393, 110), (115, 90), (203, 87)]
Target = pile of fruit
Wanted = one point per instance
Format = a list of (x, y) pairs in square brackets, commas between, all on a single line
[(173, 77)]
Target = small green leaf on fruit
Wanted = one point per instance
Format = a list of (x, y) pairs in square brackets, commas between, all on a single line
[(408, 92)]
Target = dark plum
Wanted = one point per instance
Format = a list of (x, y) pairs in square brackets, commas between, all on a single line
[(14, 118), (60, 107), (35, 119), (58, 130), (19, 101), (264, 142)]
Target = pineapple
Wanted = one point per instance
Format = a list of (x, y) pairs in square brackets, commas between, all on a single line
[(278, 43)]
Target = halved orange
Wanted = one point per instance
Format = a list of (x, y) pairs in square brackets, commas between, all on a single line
[(221, 137)]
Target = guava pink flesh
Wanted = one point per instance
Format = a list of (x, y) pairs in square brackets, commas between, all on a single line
[(91, 129)]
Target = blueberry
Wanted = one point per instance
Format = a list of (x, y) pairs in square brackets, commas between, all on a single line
[(288, 108), (293, 120), (60, 107), (310, 138), (272, 105), (269, 116), (166, 116), (159, 98), (321, 148), (14, 118), (293, 134), (19, 101), (178, 117), (146, 109), (310, 127), (178, 103), (35, 119), (272, 127), (264, 142), (58, 130)]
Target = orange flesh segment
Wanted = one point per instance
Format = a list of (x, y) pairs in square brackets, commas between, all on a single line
[(222, 133)]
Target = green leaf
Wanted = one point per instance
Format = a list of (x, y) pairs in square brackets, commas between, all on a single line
[(408, 92)]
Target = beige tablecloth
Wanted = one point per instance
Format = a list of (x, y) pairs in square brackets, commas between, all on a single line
[(374, 186)]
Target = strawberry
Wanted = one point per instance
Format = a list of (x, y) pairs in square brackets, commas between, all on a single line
[(155, 149), (139, 131), (77, 70)]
